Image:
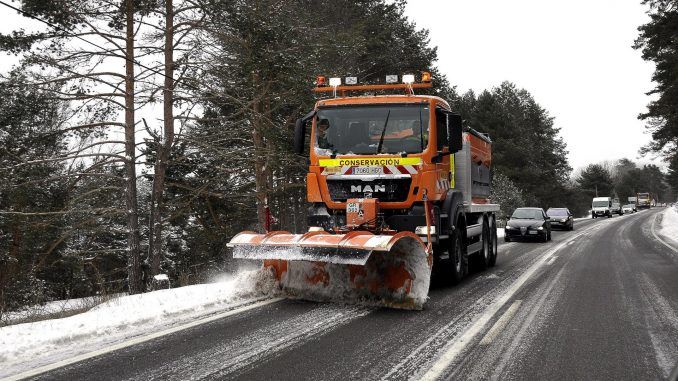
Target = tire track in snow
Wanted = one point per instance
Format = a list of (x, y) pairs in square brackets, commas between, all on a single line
[(662, 324), (235, 356), (421, 357), (477, 321)]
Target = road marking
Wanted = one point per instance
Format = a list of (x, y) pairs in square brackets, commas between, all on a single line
[(457, 346), (553, 258), (501, 323), (656, 236), (139, 340)]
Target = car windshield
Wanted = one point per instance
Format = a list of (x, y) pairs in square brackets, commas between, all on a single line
[(390, 129), (557, 212), (601, 204), (527, 214)]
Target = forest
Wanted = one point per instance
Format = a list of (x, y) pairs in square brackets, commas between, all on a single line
[(138, 136)]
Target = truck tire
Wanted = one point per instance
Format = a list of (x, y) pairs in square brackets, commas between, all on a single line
[(494, 246), (456, 261), (481, 259)]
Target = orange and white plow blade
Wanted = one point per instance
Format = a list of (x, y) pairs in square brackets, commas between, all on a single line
[(388, 270)]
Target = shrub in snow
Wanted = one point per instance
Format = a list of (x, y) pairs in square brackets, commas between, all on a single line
[(507, 194)]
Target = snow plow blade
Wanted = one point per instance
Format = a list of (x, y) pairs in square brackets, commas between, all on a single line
[(386, 270)]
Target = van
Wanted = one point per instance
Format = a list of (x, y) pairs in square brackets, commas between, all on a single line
[(601, 206)]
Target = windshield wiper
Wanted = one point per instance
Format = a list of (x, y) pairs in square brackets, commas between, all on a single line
[(383, 132)]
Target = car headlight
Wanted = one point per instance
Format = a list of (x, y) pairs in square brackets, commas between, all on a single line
[(509, 227), (540, 228), (563, 220)]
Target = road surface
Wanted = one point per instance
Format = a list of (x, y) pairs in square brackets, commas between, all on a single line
[(600, 303)]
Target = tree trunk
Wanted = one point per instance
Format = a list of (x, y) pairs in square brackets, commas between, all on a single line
[(164, 148), (133, 259), (260, 164)]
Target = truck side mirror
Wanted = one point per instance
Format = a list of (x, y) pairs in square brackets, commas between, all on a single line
[(454, 132), (299, 136)]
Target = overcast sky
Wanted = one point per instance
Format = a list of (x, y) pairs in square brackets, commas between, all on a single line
[(574, 57)]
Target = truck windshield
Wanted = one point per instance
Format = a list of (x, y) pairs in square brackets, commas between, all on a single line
[(364, 130), (601, 204)]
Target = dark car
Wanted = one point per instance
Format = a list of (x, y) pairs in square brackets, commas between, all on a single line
[(528, 223), (561, 217)]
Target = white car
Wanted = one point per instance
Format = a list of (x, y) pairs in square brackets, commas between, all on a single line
[(628, 208)]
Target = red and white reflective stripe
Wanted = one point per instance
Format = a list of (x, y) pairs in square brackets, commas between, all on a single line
[(409, 168), (388, 170), (443, 184)]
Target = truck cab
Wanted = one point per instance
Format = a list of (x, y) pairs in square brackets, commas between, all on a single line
[(410, 157)]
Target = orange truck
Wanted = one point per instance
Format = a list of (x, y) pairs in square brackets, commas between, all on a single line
[(398, 189)]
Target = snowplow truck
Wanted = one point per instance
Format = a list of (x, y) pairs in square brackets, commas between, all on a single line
[(397, 189)]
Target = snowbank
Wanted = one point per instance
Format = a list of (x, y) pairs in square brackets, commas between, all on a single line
[(129, 315), (669, 225), (54, 309)]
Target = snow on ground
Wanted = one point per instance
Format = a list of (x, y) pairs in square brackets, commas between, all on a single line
[(669, 224), (124, 317), (587, 217), (57, 308)]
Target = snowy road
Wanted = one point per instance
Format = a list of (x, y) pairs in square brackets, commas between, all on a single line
[(600, 302)]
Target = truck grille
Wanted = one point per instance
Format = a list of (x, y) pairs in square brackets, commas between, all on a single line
[(393, 190)]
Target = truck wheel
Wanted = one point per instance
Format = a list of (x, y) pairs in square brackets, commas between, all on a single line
[(493, 242), (481, 259), (456, 261)]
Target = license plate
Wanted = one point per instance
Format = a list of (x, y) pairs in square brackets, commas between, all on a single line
[(368, 171), (533, 232), (352, 207)]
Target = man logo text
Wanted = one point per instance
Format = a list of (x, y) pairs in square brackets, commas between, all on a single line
[(368, 188)]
